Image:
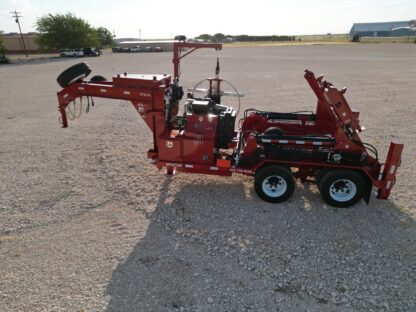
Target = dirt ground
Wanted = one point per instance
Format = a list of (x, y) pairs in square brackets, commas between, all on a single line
[(88, 224)]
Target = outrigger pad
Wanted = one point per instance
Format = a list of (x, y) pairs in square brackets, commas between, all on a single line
[(73, 73)]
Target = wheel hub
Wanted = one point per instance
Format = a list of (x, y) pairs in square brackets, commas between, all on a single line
[(342, 190), (274, 186)]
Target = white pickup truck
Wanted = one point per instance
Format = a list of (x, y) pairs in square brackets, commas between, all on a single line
[(72, 52)]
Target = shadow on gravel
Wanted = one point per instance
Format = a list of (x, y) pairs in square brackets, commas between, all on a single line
[(217, 247)]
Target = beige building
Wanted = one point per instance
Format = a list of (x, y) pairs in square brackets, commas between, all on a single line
[(13, 43)]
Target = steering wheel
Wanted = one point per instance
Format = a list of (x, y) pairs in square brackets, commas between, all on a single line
[(198, 88)]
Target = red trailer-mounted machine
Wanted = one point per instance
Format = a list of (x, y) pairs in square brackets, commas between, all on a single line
[(275, 147)]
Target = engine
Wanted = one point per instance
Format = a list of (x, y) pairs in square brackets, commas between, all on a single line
[(207, 109), (205, 126)]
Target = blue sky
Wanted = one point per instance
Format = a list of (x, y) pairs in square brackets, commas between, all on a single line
[(162, 19)]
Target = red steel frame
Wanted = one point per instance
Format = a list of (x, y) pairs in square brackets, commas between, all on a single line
[(181, 46), (334, 118)]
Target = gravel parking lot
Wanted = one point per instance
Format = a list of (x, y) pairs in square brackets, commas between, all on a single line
[(88, 224)]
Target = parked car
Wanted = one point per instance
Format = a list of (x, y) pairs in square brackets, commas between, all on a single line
[(4, 59), (148, 49), (91, 52), (136, 49), (121, 49), (158, 49), (72, 52)]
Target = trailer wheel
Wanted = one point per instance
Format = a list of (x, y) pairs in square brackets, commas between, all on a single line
[(341, 188), (73, 73), (274, 184), (318, 177)]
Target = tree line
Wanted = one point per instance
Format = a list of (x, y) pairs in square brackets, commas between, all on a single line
[(219, 37), (2, 48), (66, 31), (264, 38)]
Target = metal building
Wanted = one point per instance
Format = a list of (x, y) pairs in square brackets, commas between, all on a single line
[(383, 29)]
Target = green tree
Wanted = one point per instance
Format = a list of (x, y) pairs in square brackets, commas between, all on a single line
[(105, 37), (219, 37), (180, 37), (65, 31), (205, 37), (2, 48)]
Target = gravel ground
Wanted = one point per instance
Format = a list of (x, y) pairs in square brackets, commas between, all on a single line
[(88, 224)]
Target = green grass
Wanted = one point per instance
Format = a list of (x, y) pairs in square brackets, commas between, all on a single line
[(335, 38), (22, 57), (279, 43), (300, 40), (322, 39)]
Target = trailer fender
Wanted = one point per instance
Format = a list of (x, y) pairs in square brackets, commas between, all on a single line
[(368, 187), (266, 163)]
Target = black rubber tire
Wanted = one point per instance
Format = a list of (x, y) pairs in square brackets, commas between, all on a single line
[(269, 171), (98, 78), (73, 73), (333, 176), (318, 177), (274, 131)]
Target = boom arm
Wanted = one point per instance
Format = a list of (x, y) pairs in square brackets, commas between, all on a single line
[(333, 102), (178, 46), (145, 95)]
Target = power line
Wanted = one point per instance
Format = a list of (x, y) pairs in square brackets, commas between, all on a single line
[(16, 16)]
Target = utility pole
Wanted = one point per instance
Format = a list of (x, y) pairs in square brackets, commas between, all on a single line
[(140, 34), (16, 16)]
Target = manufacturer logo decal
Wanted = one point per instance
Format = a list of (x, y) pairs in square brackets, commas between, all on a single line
[(140, 108)]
